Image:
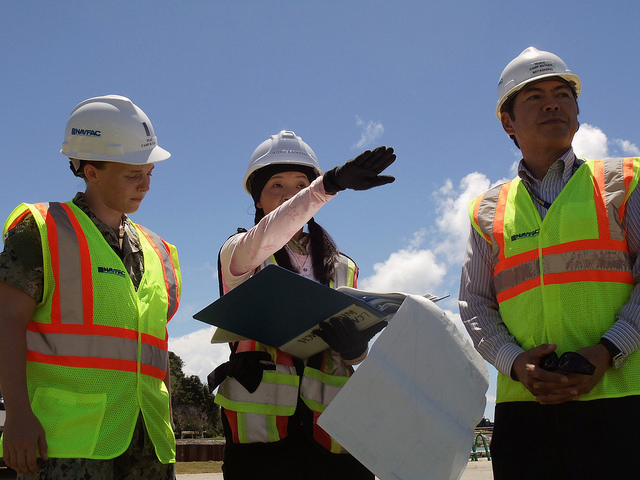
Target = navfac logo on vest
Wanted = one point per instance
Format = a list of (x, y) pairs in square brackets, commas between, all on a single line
[(112, 271), (525, 234)]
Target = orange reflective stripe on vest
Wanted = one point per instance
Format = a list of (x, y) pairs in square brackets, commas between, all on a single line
[(563, 279), (68, 247), (604, 259), (72, 339), (168, 270)]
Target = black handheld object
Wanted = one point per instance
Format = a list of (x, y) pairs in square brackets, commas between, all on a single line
[(570, 362)]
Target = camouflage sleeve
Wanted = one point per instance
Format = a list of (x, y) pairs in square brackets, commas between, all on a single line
[(21, 263)]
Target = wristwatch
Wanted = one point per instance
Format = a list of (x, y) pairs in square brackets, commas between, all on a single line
[(617, 356)]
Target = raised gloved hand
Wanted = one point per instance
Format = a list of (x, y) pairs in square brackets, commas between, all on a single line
[(362, 172), (342, 335), (245, 367)]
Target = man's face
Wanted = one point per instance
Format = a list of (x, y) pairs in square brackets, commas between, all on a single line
[(545, 116)]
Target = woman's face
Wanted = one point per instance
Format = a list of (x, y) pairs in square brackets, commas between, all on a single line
[(119, 187), (280, 188)]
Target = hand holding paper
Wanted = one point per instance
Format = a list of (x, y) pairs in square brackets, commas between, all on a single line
[(342, 335)]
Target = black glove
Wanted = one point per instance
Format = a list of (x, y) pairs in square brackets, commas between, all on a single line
[(342, 335), (245, 367), (362, 172)]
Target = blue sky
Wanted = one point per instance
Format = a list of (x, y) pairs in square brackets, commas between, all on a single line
[(216, 78)]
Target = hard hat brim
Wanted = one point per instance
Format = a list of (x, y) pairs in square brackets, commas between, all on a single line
[(571, 79), (293, 163), (156, 154)]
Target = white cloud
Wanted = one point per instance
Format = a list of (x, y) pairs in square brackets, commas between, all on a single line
[(590, 142), (453, 220), (371, 131), (416, 269), (627, 148), (409, 270), (197, 352)]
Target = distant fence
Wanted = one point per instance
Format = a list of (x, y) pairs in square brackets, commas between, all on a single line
[(209, 449), (200, 450)]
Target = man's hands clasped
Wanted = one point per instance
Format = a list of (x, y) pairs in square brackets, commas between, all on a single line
[(558, 386)]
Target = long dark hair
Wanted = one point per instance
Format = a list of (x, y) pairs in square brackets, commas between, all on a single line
[(324, 252)]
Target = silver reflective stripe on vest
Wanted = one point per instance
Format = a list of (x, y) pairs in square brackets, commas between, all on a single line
[(170, 273), (70, 270), (96, 346), (573, 261), (154, 356), (581, 260), (257, 428), (341, 275), (615, 193), (62, 344), (486, 214), (268, 393), (516, 274), (319, 391)]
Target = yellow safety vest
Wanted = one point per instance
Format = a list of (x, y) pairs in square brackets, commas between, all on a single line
[(563, 279), (97, 350), (262, 416)]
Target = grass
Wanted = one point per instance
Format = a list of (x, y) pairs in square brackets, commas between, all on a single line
[(198, 467), (181, 468)]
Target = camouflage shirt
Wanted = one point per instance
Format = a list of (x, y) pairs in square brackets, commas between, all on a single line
[(21, 261)]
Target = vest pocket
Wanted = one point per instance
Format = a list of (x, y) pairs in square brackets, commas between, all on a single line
[(71, 421)]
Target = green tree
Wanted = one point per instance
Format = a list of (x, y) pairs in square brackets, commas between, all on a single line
[(193, 406)]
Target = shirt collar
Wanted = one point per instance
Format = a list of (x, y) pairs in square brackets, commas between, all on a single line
[(568, 159), (131, 243)]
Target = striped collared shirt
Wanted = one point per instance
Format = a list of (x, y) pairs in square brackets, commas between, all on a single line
[(477, 297)]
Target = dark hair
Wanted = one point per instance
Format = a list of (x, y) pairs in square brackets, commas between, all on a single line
[(80, 171), (509, 103), (324, 252), (259, 178)]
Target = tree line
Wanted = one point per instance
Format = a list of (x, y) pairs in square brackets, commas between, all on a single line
[(193, 406)]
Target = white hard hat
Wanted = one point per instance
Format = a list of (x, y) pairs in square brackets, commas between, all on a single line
[(284, 148), (532, 65), (111, 129)]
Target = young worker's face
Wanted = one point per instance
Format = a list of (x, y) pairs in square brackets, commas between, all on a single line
[(121, 187), (280, 188), (545, 114)]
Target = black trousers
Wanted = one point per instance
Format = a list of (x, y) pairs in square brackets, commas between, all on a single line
[(297, 457), (595, 439)]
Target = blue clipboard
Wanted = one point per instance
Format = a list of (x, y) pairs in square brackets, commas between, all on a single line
[(277, 306)]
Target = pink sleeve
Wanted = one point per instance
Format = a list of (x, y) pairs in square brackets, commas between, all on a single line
[(244, 252)]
